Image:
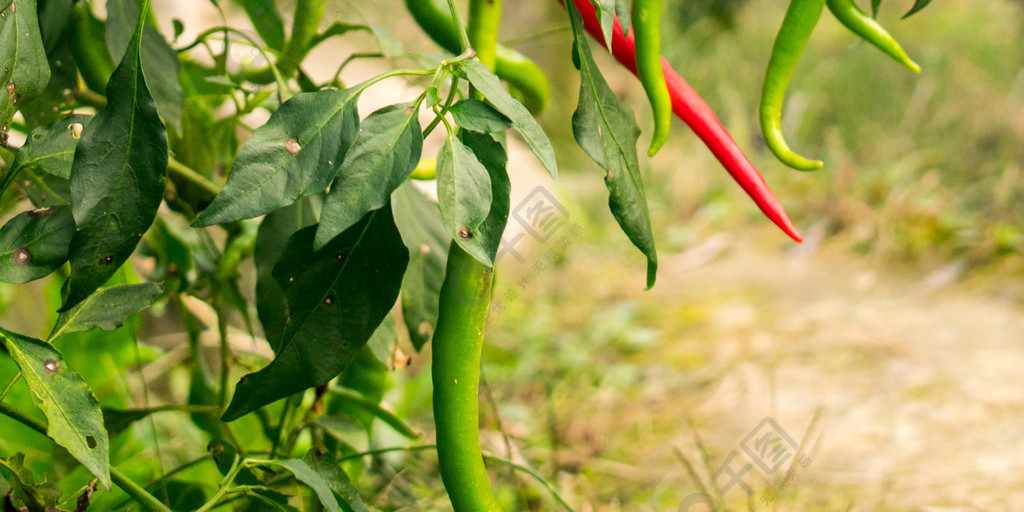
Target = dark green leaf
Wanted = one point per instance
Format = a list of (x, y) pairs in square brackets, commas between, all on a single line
[(492, 154), (118, 420), (473, 114), (25, 71), (368, 375), (295, 154), (37, 497), (54, 16), (55, 99), (918, 5), (51, 148), (270, 500), (875, 4), (273, 235), (159, 63), (106, 309), (73, 415), (313, 479), (419, 221), (267, 20), (329, 470), (606, 15), (464, 193), (117, 180), (336, 298), (606, 129), (488, 84), (43, 189), (35, 243), (382, 157)]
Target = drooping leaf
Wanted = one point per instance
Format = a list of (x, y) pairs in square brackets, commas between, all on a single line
[(295, 154), (313, 479), (35, 243), (473, 114), (419, 220), (54, 16), (73, 415), (159, 62), (918, 5), (387, 42), (106, 309), (606, 15), (606, 129), (273, 235), (368, 376), (267, 21), (382, 157), (36, 496), (488, 84), (25, 71), (464, 194), (875, 4), (117, 179), (490, 151), (51, 148), (329, 470), (624, 10), (336, 298), (52, 103)]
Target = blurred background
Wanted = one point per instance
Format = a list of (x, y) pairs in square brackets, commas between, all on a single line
[(885, 351)]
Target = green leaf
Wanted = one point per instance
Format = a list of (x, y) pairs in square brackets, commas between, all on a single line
[(37, 497), (488, 84), (382, 157), (273, 235), (73, 415), (875, 4), (63, 78), (606, 15), (54, 16), (336, 298), (25, 71), (606, 129), (159, 62), (419, 221), (490, 151), (267, 20), (295, 154), (117, 179), (624, 11), (313, 479), (330, 471), (918, 5), (349, 399), (43, 189), (34, 243), (473, 114), (387, 42), (464, 193), (51, 148), (106, 309)]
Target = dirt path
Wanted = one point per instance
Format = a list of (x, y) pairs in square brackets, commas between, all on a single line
[(918, 380)]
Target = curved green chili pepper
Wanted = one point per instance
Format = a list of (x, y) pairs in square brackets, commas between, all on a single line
[(647, 29), (800, 20), (85, 40), (847, 12), (455, 370), (527, 81)]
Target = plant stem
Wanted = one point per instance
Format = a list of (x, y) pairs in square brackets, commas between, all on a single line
[(460, 28), (528, 471), (136, 491), (223, 487), (90, 98), (20, 417)]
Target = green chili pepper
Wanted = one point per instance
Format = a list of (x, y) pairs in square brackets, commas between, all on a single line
[(863, 25), (455, 367), (800, 20), (647, 29)]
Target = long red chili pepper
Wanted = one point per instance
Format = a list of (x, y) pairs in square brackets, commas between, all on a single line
[(696, 113)]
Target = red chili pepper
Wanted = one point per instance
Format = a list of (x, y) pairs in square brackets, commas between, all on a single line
[(696, 113)]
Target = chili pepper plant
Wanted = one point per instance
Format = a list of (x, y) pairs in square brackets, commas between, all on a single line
[(273, 232)]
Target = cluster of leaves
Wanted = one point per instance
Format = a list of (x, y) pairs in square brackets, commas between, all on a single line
[(127, 144)]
